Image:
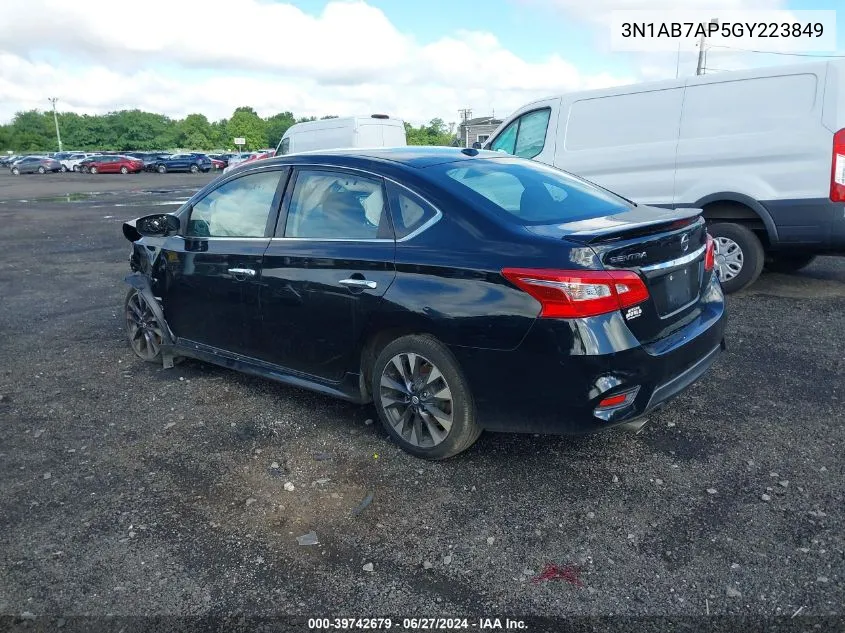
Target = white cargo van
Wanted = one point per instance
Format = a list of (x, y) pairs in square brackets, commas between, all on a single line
[(377, 130), (761, 151)]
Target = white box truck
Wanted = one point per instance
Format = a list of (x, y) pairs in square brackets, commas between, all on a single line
[(761, 151), (376, 130)]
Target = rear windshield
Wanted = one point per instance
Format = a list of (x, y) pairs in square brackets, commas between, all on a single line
[(528, 192)]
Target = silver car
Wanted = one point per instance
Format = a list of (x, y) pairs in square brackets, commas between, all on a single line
[(35, 164)]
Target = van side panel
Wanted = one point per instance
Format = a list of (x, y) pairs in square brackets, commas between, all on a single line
[(760, 137), (625, 142), (323, 138)]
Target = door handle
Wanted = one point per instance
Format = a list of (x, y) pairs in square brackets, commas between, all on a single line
[(249, 272), (358, 283)]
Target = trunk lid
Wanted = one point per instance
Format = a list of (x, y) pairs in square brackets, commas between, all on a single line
[(666, 247)]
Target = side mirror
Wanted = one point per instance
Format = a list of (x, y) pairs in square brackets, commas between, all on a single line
[(158, 225), (476, 145)]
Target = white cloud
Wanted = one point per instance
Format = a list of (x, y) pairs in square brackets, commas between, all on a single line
[(173, 57)]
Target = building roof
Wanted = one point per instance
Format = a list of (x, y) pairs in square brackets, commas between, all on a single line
[(483, 120)]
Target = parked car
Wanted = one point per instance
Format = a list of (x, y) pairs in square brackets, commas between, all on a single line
[(762, 151), (183, 162), (71, 161), (83, 165), (7, 160), (35, 164), (250, 158), (115, 164), (223, 158), (216, 163), (150, 159), (458, 290)]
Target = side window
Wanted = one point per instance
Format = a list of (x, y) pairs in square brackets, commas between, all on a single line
[(285, 145), (238, 208), (532, 133), (408, 210), (526, 136), (507, 139), (337, 205)]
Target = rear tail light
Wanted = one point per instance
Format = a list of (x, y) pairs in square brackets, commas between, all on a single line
[(567, 294), (710, 254), (837, 168)]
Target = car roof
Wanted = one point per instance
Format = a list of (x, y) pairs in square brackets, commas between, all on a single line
[(418, 157)]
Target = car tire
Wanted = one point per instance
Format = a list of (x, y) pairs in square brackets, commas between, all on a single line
[(143, 331), (41, 170), (162, 169), (64, 169), (739, 255), (16, 171), (124, 170), (92, 170), (74, 168), (194, 169), (788, 262), (413, 426)]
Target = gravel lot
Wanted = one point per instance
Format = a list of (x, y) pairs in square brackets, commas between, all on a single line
[(132, 490)]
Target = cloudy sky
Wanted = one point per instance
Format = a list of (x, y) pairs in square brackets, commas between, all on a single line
[(415, 59)]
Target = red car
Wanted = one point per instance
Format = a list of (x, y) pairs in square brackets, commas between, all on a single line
[(217, 164), (115, 164)]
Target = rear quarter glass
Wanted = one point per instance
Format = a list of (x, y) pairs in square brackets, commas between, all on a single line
[(525, 192)]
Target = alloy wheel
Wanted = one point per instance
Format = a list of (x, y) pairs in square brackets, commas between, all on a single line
[(729, 258), (92, 170), (124, 170), (144, 330), (416, 400)]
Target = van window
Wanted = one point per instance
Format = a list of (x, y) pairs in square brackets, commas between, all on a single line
[(525, 136), (528, 193), (627, 119), (285, 146), (750, 105)]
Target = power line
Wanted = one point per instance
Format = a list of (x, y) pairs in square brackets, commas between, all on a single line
[(750, 50)]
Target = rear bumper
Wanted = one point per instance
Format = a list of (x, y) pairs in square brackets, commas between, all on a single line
[(553, 382), (810, 224)]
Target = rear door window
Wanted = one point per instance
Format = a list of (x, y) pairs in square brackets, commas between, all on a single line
[(328, 204)]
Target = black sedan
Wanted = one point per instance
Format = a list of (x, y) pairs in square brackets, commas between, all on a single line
[(458, 290)]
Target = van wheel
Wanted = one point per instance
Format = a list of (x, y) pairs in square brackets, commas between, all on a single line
[(788, 262), (739, 255), (423, 398)]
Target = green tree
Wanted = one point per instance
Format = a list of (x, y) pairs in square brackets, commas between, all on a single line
[(435, 133), (247, 124), (33, 131), (194, 132), (277, 125)]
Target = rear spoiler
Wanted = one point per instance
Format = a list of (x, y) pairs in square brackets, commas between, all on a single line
[(649, 223)]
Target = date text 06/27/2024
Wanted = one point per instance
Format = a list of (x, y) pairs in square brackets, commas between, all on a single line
[(417, 624)]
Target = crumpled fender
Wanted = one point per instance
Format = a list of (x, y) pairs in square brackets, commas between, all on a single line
[(141, 283)]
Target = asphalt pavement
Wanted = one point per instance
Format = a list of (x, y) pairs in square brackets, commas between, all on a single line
[(128, 489)]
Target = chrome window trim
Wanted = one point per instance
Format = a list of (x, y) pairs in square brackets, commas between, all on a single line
[(686, 259), (424, 227)]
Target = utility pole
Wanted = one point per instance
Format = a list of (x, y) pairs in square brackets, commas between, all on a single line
[(56, 121), (466, 113), (700, 69)]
